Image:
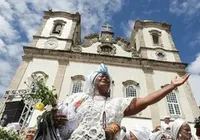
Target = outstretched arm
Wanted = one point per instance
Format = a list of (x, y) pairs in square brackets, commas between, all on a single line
[(138, 104)]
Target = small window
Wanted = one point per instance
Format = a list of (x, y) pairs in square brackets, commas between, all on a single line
[(77, 83), (77, 87), (106, 49), (155, 39), (173, 104), (130, 91), (160, 55), (57, 28)]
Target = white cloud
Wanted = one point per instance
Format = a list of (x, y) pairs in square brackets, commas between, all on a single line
[(20, 20), (5, 10), (7, 32), (127, 28), (186, 7), (194, 69)]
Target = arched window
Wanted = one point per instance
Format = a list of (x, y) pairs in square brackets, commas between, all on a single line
[(130, 91), (155, 38), (130, 88), (173, 104), (57, 28), (35, 77), (77, 87), (38, 75), (77, 84)]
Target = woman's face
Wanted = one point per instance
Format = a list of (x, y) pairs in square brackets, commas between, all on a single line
[(185, 132), (102, 83)]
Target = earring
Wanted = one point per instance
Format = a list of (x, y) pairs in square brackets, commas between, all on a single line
[(179, 135), (108, 94)]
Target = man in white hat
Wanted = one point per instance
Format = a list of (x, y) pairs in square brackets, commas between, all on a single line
[(166, 124)]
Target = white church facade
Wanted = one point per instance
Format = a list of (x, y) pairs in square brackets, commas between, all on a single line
[(139, 66)]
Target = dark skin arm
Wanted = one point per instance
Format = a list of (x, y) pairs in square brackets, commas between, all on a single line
[(139, 104)]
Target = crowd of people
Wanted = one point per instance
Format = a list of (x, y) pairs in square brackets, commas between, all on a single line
[(176, 130)]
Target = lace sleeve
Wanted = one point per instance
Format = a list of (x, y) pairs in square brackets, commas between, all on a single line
[(120, 105), (63, 106)]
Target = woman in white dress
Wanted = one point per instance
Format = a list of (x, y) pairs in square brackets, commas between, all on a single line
[(95, 111)]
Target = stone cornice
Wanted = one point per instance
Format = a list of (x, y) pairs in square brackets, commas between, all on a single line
[(96, 58), (44, 37), (158, 48), (149, 23), (75, 17)]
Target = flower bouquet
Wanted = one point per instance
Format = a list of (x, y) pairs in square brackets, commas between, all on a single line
[(9, 134), (47, 102)]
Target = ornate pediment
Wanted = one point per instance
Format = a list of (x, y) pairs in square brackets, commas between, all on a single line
[(77, 48), (90, 39), (106, 48)]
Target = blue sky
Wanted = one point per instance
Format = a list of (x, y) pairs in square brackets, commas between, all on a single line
[(19, 21)]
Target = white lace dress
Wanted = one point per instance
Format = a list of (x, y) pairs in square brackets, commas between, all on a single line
[(90, 115)]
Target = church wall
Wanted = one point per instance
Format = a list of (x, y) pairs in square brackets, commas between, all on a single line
[(161, 78), (49, 67), (169, 56), (137, 39), (60, 44), (49, 26), (164, 38)]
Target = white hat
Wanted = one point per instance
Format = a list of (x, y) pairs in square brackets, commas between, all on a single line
[(91, 78), (176, 125), (156, 135), (167, 117), (141, 133)]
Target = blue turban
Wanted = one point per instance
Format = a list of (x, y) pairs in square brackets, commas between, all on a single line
[(103, 69)]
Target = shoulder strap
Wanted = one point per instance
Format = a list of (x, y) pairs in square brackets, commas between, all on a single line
[(80, 101)]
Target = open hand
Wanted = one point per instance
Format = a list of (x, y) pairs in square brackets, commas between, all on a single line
[(177, 81)]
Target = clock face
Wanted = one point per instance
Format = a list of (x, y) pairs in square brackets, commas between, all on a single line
[(51, 44)]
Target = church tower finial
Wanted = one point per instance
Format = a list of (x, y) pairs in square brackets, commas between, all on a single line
[(107, 28)]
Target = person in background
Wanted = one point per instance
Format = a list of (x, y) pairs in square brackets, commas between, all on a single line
[(138, 133), (156, 129), (197, 126), (30, 133), (3, 121), (181, 130), (166, 124)]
